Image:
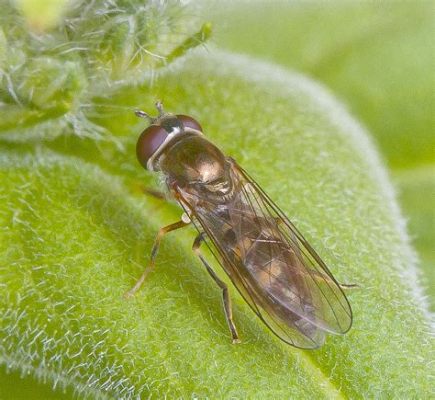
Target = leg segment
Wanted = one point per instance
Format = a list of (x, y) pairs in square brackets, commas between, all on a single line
[(225, 293), (154, 193), (162, 232), (349, 285)]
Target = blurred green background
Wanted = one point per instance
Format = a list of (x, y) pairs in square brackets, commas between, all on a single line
[(377, 58)]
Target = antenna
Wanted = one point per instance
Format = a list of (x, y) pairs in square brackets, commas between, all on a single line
[(143, 114)]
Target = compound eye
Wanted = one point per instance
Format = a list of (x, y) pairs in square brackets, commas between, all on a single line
[(189, 122), (148, 143)]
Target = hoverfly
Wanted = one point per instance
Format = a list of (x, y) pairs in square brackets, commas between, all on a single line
[(274, 268)]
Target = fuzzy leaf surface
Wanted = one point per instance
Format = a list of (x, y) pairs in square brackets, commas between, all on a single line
[(75, 235)]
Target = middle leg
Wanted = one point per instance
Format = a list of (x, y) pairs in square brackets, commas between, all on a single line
[(225, 293)]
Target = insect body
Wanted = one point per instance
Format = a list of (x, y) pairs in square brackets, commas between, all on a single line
[(267, 259)]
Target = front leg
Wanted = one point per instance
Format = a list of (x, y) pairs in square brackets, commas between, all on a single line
[(162, 232)]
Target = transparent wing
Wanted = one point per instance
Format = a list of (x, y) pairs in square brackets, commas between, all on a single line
[(273, 267)]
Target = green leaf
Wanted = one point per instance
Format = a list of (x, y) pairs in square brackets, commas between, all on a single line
[(75, 236), (377, 57), (416, 190)]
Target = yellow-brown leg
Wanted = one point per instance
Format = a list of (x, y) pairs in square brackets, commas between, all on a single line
[(225, 293), (349, 285), (162, 232), (154, 193)]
